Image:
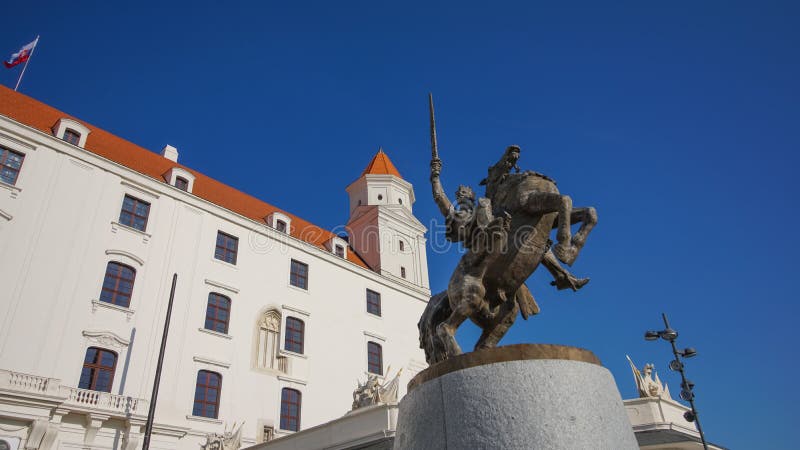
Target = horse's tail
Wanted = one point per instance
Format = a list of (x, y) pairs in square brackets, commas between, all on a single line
[(437, 311)]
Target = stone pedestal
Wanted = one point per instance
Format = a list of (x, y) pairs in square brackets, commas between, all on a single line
[(528, 396)]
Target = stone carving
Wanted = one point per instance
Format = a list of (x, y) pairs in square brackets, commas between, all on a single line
[(372, 392), (506, 237), (647, 386), (228, 440), (105, 339), (271, 321)]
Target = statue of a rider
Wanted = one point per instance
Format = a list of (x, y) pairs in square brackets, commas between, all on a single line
[(505, 236)]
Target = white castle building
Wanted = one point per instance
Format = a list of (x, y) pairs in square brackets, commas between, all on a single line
[(274, 319)]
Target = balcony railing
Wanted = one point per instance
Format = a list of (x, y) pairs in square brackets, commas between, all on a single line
[(27, 383), (71, 396), (104, 401)]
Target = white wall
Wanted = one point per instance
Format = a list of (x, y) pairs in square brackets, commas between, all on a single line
[(57, 233)]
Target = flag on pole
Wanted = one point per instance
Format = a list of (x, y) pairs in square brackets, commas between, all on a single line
[(22, 55)]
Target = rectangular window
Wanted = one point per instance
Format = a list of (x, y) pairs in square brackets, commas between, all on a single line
[(181, 183), (373, 302), (299, 275), (403, 272), (295, 334), (227, 247), (374, 358), (280, 226), (134, 213), (290, 409), (206, 394), (10, 163), (339, 251), (72, 136)]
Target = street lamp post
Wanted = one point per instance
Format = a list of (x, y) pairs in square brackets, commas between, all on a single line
[(668, 334)]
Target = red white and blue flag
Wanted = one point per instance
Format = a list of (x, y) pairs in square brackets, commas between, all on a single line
[(22, 55)]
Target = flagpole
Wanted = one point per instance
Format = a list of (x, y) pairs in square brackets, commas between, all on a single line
[(19, 80)]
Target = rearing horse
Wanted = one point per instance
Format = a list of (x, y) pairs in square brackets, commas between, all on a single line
[(507, 237)]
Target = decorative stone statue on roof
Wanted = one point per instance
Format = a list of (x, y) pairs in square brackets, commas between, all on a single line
[(228, 440), (372, 392), (647, 386), (506, 236)]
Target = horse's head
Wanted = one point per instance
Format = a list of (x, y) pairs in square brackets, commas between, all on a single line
[(498, 172)]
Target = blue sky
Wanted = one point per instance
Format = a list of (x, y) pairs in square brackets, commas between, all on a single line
[(677, 121)]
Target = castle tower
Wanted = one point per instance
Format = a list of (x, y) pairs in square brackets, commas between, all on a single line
[(382, 227)]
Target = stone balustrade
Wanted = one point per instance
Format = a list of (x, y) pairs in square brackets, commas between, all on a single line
[(105, 401), (72, 397)]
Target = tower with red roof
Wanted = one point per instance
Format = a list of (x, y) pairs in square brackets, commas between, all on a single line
[(382, 228)]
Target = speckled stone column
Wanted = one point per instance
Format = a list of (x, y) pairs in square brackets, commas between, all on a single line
[(528, 396)]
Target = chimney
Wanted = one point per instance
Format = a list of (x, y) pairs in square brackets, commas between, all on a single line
[(170, 152)]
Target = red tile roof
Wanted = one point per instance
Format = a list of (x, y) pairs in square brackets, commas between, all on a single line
[(36, 114), (381, 165)]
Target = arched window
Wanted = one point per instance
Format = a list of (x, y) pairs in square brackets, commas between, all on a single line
[(374, 358), (98, 369), (218, 313), (295, 334), (269, 328), (206, 394), (290, 409), (118, 284)]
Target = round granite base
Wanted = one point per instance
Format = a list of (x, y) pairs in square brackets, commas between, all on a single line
[(528, 396)]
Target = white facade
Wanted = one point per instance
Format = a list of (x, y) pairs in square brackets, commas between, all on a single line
[(60, 227)]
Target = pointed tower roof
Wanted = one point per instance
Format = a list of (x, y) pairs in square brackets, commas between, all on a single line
[(381, 165)]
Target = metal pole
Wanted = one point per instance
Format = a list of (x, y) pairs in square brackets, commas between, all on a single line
[(19, 80), (148, 429), (684, 385)]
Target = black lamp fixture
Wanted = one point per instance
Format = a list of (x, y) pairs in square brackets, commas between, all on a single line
[(687, 393)]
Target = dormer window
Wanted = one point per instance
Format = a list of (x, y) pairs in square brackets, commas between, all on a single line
[(337, 245), (180, 178), (280, 222), (72, 136), (182, 183), (71, 131)]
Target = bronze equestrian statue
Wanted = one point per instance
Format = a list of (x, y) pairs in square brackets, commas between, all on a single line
[(506, 236)]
